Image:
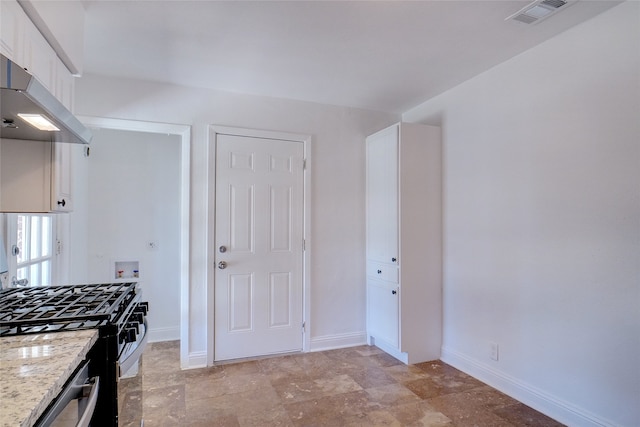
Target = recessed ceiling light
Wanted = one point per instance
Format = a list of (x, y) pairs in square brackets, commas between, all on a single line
[(539, 10), (38, 121)]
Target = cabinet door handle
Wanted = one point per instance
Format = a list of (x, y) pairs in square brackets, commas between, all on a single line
[(379, 271), (63, 202), (393, 292), (394, 259)]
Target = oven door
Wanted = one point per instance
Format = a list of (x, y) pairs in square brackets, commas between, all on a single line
[(75, 405)]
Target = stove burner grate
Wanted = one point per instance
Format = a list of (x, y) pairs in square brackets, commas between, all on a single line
[(56, 308)]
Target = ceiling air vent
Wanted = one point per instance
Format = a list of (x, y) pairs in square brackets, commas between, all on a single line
[(538, 10)]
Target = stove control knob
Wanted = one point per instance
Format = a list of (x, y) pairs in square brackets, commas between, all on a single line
[(128, 335), (132, 334), (134, 325), (142, 307)]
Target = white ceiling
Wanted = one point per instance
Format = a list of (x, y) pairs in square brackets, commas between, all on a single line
[(381, 55)]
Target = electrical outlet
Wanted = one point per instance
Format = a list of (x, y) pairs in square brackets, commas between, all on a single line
[(494, 351)]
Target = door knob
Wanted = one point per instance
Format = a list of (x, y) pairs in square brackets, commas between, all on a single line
[(222, 265), (222, 249)]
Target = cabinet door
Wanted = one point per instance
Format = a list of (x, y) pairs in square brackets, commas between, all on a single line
[(382, 196), (383, 271), (39, 58), (61, 191), (12, 21), (25, 176), (382, 311), (64, 86)]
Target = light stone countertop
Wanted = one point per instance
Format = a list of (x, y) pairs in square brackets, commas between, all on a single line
[(33, 370)]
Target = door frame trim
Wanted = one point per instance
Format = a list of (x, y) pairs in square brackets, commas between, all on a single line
[(306, 140)]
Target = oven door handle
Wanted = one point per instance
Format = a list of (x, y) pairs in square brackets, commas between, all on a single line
[(77, 388), (85, 419), (133, 357)]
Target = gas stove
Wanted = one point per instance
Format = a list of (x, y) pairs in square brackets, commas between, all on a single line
[(114, 309)]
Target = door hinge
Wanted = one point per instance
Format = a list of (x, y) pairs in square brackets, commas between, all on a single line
[(304, 164), (304, 245), (304, 324)]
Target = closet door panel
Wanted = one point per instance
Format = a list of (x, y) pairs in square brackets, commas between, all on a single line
[(382, 196), (383, 312)]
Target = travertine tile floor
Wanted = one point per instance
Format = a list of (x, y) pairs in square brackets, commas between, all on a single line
[(359, 386)]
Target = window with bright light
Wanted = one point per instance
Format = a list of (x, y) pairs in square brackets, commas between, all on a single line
[(34, 261)]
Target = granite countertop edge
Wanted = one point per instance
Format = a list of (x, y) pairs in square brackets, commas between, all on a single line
[(34, 369)]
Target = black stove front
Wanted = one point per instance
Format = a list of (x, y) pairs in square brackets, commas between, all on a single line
[(114, 309)]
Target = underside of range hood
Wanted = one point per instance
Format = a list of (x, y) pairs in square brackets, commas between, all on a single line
[(22, 94), (539, 10)]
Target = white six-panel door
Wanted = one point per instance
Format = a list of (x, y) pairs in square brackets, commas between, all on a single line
[(258, 246)]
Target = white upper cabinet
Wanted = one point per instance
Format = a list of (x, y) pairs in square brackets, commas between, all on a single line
[(35, 176), (382, 200), (45, 43), (25, 176), (12, 23), (39, 58), (62, 25), (404, 240), (64, 88)]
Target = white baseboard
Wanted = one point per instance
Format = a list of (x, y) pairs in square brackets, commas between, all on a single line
[(539, 400), (332, 342), (164, 334), (195, 359)]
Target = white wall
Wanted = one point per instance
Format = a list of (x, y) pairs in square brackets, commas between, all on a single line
[(337, 195), (79, 218), (542, 230), (131, 199)]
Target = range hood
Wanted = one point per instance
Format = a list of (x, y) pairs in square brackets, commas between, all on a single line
[(22, 95)]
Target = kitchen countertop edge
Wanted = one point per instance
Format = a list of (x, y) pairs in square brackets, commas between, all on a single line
[(35, 368)]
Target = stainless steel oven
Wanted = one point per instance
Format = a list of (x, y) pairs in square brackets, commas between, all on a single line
[(119, 315)]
